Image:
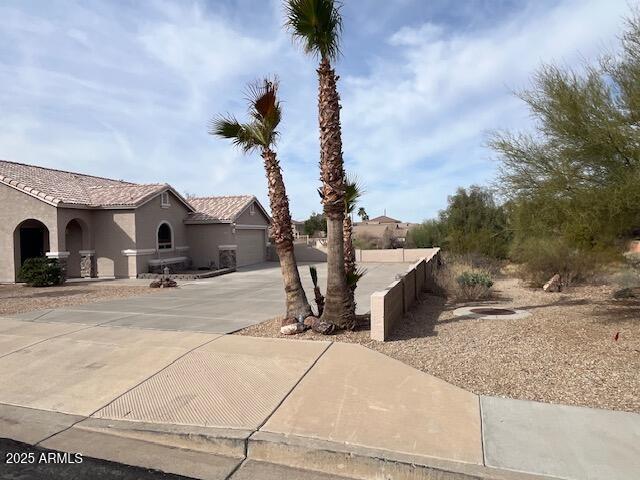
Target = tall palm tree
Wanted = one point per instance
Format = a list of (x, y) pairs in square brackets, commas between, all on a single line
[(317, 25), (362, 213), (260, 134)]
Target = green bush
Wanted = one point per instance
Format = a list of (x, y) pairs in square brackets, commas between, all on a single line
[(540, 259), (41, 272), (472, 279), (460, 281)]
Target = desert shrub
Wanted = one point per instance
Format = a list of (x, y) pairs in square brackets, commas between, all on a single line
[(460, 281), (365, 241), (472, 279), (430, 233), (540, 259), (477, 261), (633, 260), (41, 272)]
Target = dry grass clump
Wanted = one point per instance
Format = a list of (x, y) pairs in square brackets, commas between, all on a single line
[(467, 278)]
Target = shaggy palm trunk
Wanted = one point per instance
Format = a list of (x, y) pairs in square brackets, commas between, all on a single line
[(337, 300), (296, 299), (349, 260)]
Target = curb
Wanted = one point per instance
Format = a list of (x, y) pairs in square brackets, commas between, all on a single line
[(362, 463)]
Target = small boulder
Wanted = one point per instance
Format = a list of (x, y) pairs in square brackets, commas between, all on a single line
[(292, 328), (626, 293), (323, 327), (310, 321), (554, 284)]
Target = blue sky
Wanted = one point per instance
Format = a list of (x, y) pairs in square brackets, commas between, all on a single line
[(125, 89)]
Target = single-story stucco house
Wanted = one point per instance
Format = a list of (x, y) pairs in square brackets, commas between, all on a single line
[(100, 227)]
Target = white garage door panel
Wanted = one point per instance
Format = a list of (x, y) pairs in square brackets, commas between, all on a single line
[(251, 247)]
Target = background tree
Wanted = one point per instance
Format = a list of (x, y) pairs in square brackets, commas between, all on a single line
[(317, 222), (317, 25), (260, 134), (362, 213), (575, 178), (471, 223)]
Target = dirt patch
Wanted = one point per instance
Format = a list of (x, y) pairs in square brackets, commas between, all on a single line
[(565, 352), (20, 298)]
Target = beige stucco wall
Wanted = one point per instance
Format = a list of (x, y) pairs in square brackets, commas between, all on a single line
[(148, 219), (203, 240), (258, 218), (85, 219), (114, 231), (17, 207)]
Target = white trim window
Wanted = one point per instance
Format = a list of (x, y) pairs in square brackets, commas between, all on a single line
[(164, 200), (165, 236), (252, 209)]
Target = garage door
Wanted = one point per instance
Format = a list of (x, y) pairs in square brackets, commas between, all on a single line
[(251, 247)]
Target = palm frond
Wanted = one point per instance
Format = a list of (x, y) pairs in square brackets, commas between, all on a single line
[(354, 277), (314, 274), (352, 194), (264, 108), (242, 135), (317, 25)]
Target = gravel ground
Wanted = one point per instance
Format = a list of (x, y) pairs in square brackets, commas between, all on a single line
[(565, 352), (20, 298)]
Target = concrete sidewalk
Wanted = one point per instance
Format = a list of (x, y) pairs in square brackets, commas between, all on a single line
[(219, 406)]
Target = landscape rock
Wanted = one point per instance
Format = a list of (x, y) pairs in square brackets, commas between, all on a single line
[(292, 328), (310, 321), (163, 283), (627, 293), (323, 327), (554, 284)]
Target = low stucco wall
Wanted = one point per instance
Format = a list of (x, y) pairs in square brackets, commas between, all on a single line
[(394, 255), (389, 306), (303, 252)]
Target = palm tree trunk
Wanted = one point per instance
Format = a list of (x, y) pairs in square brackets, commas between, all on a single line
[(349, 260), (337, 301), (296, 299)]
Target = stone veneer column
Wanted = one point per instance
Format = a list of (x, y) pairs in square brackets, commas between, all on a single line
[(62, 261), (227, 256), (88, 263)]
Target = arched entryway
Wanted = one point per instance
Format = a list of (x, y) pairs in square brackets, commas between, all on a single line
[(30, 240), (73, 234)]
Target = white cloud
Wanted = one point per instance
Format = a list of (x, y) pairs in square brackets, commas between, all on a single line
[(431, 102), (126, 92)]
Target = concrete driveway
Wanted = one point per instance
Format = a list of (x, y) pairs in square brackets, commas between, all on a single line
[(218, 305)]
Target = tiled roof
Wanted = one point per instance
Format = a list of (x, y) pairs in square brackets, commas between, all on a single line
[(59, 186), (384, 219), (219, 209)]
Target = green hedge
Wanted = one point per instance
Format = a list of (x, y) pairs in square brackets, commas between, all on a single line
[(41, 272)]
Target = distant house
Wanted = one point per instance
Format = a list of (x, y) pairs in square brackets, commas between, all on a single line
[(100, 227), (298, 228), (378, 227)]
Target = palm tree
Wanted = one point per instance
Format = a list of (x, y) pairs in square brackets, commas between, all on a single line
[(353, 192), (362, 213), (260, 134), (317, 25)]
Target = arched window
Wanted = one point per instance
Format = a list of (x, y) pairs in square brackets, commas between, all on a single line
[(165, 241)]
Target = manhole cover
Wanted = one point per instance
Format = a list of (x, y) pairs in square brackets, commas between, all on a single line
[(492, 311)]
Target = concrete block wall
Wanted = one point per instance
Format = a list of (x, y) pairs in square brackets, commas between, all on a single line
[(409, 287), (394, 255), (388, 307)]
